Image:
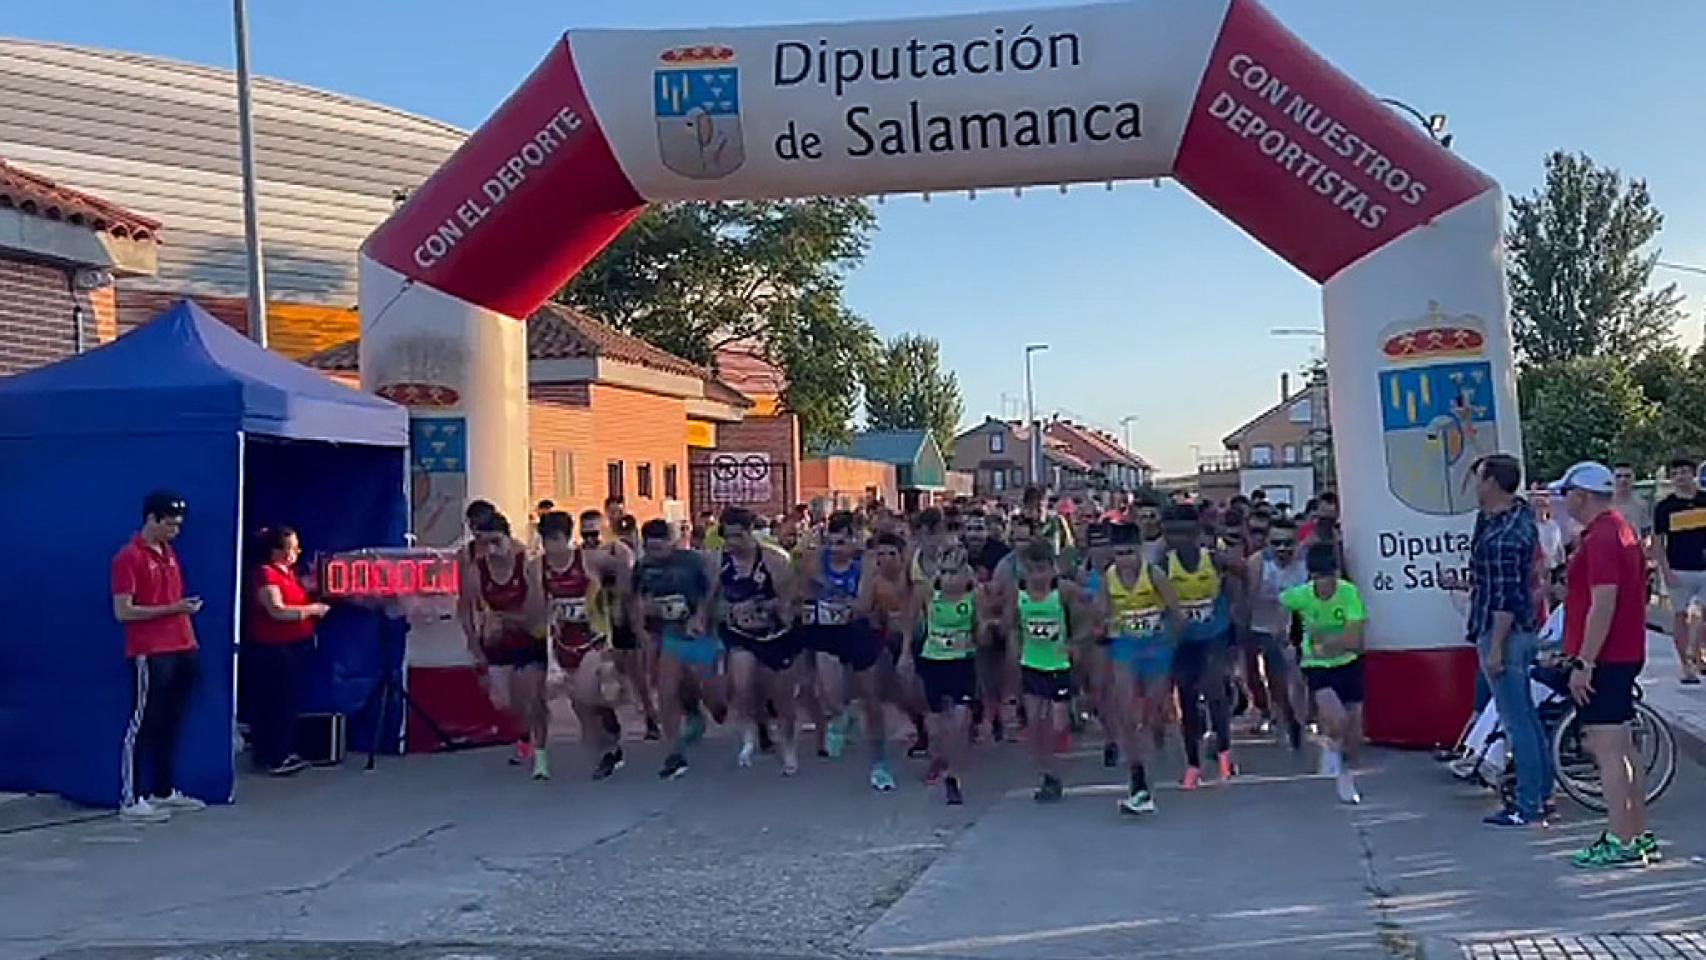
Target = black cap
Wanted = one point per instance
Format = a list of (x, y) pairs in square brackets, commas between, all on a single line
[(163, 504)]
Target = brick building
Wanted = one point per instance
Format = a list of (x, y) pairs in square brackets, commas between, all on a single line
[(754, 463), (844, 483), (1280, 449), (60, 250), (608, 414), (997, 455)]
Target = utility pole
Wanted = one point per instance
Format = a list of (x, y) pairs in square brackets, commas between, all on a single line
[(251, 210), (1031, 416)]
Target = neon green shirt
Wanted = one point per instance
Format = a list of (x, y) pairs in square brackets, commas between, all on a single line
[(948, 634), (1042, 625), (1325, 618)]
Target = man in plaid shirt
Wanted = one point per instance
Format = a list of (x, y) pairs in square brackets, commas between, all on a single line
[(1504, 622)]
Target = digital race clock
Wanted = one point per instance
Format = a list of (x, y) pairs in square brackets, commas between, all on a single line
[(389, 574)]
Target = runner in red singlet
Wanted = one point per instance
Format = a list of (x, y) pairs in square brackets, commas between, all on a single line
[(499, 622), (580, 638)]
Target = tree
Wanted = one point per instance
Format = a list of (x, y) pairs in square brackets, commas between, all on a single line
[(906, 388), (694, 277), (1587, 408), (1580, 266)]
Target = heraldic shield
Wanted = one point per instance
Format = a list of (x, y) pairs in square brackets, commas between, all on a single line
[(1437, 410), (697, 101)]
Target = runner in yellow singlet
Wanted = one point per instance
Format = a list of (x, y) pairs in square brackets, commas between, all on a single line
[(1135, 601), (1199, 663)]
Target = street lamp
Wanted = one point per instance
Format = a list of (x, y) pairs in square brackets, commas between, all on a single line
[(1125, 428), (1433, 123), (1297, 332), (246, 162), (1031, 415)]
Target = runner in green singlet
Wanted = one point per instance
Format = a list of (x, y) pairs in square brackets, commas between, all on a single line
[(946, 644), (1333, 621), (1047, 616)]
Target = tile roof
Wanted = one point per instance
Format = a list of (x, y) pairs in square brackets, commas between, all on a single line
[(38, 196), (899, 447), (556, 332), (743, 366), (1090, 445)]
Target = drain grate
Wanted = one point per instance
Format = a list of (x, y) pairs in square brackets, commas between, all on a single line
[(1690, 945)]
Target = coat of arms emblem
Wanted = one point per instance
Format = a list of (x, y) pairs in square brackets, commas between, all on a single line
[(1437, 409), (697, 102)]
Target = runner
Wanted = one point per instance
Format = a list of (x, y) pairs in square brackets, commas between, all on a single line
[(755, 588), (1679, 525), (929, 536), (1199, 663), (1272, 571), (839, 629), (1333, 617), (987, 554), (568, 577), (888, 590), (1135, 603), (670, 612), (947, 613), (615, 561), (1046, 619), (1146, 513), (500, 623)]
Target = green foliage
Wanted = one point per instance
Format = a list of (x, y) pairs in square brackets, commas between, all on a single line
[(694, 277), (1587, 408), (1580, 264), (906, 388)]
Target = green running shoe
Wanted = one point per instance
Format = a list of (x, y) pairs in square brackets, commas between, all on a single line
[(1648, 844), (693, 730), (835, 738), (1138, 803), (1608, 851)]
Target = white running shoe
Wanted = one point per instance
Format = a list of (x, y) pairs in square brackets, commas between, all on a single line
[(748, 749), (541, 765), (141, 811), (790, 759), (178, 801), (1331, 762), (1348, 788)]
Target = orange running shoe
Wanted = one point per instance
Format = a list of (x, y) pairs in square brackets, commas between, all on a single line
[(1193, 778), (1227, 770)]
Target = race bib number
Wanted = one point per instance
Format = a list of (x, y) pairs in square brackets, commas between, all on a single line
[(833, 614), (1043, 630), (750, 616), (1199, 613), (672, 607), (951, 641), (1138, 624), (569, 609)]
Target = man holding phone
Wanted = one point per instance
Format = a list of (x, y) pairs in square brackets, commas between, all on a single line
[(159, 641)]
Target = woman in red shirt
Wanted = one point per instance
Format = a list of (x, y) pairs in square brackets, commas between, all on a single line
[(277, 634)]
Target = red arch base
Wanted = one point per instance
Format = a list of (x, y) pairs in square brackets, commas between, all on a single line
[(1392, 713)]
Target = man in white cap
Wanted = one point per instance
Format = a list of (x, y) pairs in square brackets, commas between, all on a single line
[(1605, 632)]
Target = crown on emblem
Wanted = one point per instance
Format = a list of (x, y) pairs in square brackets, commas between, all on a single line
[(705, 53)]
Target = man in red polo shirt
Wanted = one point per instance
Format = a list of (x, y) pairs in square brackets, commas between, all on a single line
[(148, 598), (1605, 630)]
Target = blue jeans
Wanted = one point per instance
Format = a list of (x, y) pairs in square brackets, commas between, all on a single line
[(1526, 739)]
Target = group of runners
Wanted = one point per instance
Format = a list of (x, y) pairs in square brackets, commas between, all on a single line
[(966, 620)]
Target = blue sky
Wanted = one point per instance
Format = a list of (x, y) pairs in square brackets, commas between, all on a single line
[(1153, 305)]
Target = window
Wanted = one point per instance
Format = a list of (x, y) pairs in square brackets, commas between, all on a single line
[(563, 465), (613, 481), (643, 481), (671, 482), (1262, 455), (1301, 412), (998, 442), (1016, 477), (997, 481), (1307, 453), (1290, 454)]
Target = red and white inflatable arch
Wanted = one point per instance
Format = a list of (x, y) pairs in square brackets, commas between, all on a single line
[(1403, 235)]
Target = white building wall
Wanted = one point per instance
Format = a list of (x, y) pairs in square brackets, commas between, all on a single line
[(1295, 485)]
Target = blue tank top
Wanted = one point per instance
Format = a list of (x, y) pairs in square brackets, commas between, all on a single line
[(839, 586)]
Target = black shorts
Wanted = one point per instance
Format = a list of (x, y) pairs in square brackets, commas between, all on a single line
[(532, 655), (853, 644), (622, 638), (1052, 685), (777, 654), (1613, 699), (948, 683), (1346, 681)]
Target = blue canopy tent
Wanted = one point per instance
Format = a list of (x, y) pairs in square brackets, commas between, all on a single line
[(248, 438)]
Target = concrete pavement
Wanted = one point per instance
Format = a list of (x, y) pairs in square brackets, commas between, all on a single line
[(461, 855)]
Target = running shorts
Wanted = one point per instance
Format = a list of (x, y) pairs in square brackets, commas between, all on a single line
[(776, 654), (1613, 699), (1149, 658), (573, 649), (698, 652), (622, 637), (1272, 648), (1346, 681), (1052, 685), (853, 644), (517, 652), (1690, 589), (948, 683)]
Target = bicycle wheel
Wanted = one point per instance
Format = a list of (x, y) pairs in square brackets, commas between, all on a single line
[(1658, 751), (1575, 770)]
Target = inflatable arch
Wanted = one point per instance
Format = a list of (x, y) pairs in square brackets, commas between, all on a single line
[(1402, 234)]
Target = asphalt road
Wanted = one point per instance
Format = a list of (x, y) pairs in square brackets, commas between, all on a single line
[(463, 857)]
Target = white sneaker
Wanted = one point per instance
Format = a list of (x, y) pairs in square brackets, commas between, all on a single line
[(176, 800), (1348, 789), (141, 811), (790, 759), (748, 749), (1331, 763)]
